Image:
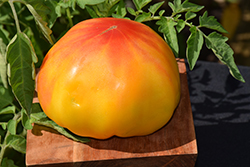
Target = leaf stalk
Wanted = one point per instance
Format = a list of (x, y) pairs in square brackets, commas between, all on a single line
[(15, 15)]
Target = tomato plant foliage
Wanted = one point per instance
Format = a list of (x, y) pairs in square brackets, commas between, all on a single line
[(28, 28)]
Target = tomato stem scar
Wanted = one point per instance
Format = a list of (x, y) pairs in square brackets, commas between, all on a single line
[(110, 28)]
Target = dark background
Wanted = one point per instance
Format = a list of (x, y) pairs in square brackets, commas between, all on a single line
[(221, 112), (221, 104)]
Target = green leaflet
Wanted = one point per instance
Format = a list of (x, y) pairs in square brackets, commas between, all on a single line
[(21, 68), (188, 6), (45, 9), (3, 125), (8, 110), (169, 32), (6, 97), (120, 10), (37, 49), (82, 3), (11, 126), (190, 15), (194, 45), (175, 6), (4, 35), (39, 117), (178, 7), (180, 25), (161, 12), (8, 163), (131, 11), (142, 17), (37, 113), (139, 4), (41, 23), (106, 9), (17, 142), (26, 122), (64, 4), (222, 50), (91, 12), (51, 124), (211, 22), (3, 64), (152, 9)]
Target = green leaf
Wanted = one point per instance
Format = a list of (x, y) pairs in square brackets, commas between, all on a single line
[(188, 6), (8, 163), (131, 11), (116, 16), (169, 32), (121, 9), (21, 68), (4, 35), (139, 4), (39, 117), (11, 126), (180, 25), (178, 7), (82, 3), (8, 110), (32, 50), (67, 4), (155, 7), (17, 142), (37, 113), (175, 6), (26, 122), (35, 46), (224, 52), (41, 23), (190, 15), (4, 125), (49, 123), (45, 9), (143, 17), (211, 22), (3, 64), (6, 97), (91, 12), (64, 4), (161, 12), (106, 8), (194, 45), (176, 18)]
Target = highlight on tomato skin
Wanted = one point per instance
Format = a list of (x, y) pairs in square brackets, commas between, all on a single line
[(109, 77)]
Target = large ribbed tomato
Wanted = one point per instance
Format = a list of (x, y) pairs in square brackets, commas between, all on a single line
[(109, 77)]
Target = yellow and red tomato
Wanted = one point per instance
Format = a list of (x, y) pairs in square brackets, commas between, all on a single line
[(109, 77)]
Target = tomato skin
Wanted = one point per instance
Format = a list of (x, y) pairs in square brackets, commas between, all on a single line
[(109, 77)]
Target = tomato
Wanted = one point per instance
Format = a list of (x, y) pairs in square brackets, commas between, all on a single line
[(109, 77)]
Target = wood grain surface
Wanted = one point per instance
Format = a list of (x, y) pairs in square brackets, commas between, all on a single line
[(173, 145)]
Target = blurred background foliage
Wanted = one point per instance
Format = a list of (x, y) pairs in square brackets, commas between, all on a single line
[(234, 15)]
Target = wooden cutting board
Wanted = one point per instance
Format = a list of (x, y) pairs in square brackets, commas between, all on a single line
[(173, 145)]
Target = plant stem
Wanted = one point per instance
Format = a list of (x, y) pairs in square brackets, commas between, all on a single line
[(15, 15), (153, 18), (69, 17), (3, 147)]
